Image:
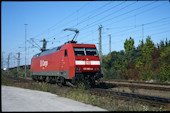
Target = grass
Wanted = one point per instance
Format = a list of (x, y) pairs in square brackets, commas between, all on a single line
[(82, 94)]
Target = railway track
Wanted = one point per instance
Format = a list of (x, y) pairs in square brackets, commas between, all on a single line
[(129, 96), (19, 79), (111, 84), (142, 85), (139, 82)]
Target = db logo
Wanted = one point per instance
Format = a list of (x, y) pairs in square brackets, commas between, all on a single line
[(43, 63), (88, 62)]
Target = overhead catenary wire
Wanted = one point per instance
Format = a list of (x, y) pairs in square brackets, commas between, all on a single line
[(85, 15), (91, 24), (136, 37), (148, 23), (136, 14), (116, 11), (143, 6), (142, 11), (150, 29), (132, 27), (119, 10), (99, 14), (62, 20), (118, 15), (141, 25)]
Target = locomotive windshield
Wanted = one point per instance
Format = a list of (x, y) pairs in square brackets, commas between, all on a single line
[(79, 51)]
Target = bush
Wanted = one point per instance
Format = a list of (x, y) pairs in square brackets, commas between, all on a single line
[(164, 73), (110, 73)]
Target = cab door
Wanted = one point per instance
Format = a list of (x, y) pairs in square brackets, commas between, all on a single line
[(64, 64), (62, 60)]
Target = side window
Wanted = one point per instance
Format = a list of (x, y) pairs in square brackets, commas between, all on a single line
[(65, 53)]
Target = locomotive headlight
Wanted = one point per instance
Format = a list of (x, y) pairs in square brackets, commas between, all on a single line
[(96, 68), (78, 68)]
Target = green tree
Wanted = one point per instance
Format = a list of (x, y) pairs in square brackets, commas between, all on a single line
[(145, 62), (165, 73), (147, 50), (138, 61), (165, 51), (129, 45)]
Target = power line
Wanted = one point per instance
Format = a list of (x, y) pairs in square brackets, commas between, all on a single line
[(85, 15), (136, 31), (149, 23), (144, 36), (99, 14), (146, 24), (116, 11), (107, 16), (122, 13), (62, 20), (141, 25), (145, 11)]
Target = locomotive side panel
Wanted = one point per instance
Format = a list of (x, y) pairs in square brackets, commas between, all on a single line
[(46, 65)]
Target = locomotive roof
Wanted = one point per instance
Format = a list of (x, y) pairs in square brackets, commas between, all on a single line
[(55, 49)]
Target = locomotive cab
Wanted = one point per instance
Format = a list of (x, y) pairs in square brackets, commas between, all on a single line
[(87, 63)]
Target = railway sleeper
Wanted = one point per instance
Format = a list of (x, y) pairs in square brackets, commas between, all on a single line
[(147, 98)]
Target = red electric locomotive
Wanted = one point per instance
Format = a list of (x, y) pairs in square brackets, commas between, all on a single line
[(70, 63)]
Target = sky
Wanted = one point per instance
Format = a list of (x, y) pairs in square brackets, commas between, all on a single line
[(120, 19)]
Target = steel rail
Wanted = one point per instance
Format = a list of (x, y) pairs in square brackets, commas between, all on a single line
[(137, 85), (141, 97), (140, 82)]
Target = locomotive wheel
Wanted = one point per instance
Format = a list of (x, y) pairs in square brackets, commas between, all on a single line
[(52, 80), (47, 79), (40, 78), (92, 82), (43, 78), (36, 78), (33, 78), (61, 81)]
